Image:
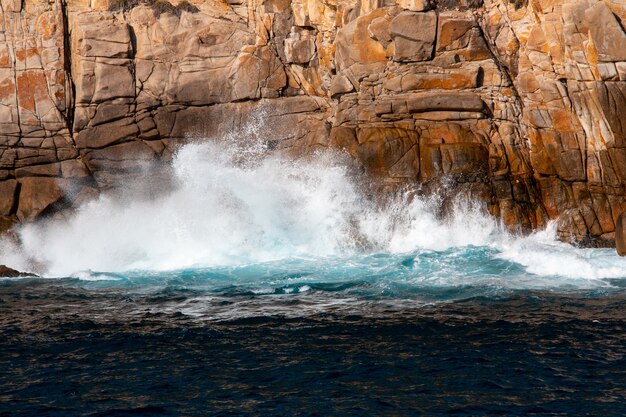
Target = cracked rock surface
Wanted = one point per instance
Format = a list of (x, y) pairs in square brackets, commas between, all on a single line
[(521, 108)]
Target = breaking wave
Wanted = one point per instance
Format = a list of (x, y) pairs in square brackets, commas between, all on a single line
[(231, 204)]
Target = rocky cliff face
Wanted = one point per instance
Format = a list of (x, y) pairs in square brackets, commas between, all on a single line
[(516, 104)]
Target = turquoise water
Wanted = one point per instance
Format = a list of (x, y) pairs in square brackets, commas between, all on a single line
[(421, 276)]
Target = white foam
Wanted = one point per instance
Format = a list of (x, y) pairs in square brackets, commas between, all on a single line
[(234, 204), (541, 254), (222, 212), (91, 276)]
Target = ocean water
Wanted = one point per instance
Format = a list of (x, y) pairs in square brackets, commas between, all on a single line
[(255, 284)]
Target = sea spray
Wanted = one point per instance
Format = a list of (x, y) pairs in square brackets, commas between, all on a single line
[(232, 202), (224, 209)]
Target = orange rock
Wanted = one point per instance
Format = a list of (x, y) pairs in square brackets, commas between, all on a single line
[(537, 40), (23, 53), (562, 120), (354, 45), (31, 87), (4, 58), (7, 89), (452, 28), (47, 25), (523, 109), (453, 81)]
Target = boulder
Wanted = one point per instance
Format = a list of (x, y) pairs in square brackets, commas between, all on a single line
[(6, 272), (299, 49), (414, 36), (606, 32)]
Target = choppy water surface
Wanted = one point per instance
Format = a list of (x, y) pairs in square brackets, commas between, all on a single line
[(192, 343), (259, 285)]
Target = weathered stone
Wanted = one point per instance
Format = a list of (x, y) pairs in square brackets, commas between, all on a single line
[(8, 194), (6, 272), (45, 170), (106, 134), (521, 108), (299, 50), (11, 6), (113, 81), (606, 32), (387, 151), (344, 138), (612, 98), (38, 194), (454, 31), (378, 30), (414, 36), (355, 46), (457, 80), (340, 85), (100, 35), (466, 102)]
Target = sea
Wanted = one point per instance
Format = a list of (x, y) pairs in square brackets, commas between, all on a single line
[(257, 284)]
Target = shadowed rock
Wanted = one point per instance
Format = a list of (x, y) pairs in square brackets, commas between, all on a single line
[(620, 235), (6, 272)]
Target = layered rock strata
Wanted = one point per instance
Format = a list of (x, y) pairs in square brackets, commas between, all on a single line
[(515, 104)]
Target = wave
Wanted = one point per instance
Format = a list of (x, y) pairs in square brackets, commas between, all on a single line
[(231, 202)]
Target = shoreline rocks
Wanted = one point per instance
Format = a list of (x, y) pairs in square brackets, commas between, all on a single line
[(517, 105), (6, 272)]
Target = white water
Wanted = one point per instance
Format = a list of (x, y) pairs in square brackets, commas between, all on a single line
[(232, 206)]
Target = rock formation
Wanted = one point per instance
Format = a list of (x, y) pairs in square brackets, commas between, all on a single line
[(518, 104), (6, 272)]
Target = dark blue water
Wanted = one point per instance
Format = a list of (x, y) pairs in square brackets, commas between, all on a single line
[(315, 338)]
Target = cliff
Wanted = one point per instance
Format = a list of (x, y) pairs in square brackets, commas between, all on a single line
[(516, 104)]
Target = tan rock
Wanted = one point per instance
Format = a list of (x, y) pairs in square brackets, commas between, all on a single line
[(97, 34), (416, 5), (414, 36), (299, 49), (379, 30), (112, 81), (340, 85), (606, 32), (106, 134), (521, 107), (445, 102), (389, 151), (37, 195), (454, 31), (8, 193), (355, 46), (11, 6)]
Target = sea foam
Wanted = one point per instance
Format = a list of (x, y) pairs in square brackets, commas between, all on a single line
[(232, 202)]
